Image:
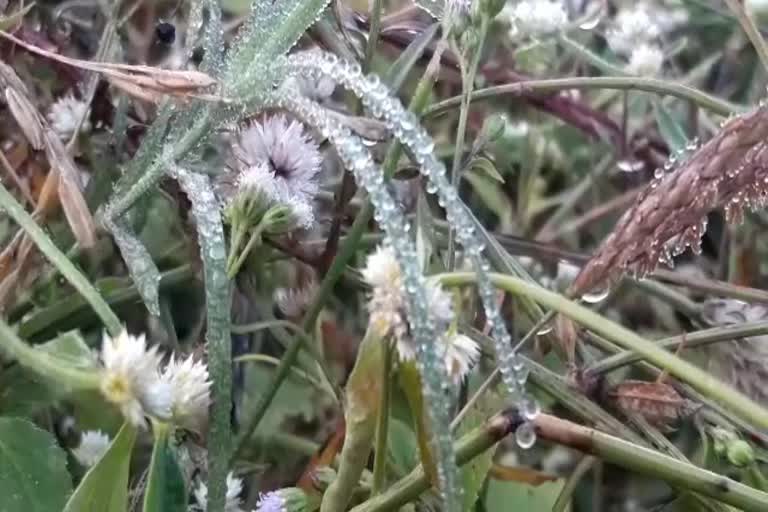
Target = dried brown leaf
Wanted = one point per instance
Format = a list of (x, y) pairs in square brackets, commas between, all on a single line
[(26, 117), (659, 403), (145, 82), (730, 171)]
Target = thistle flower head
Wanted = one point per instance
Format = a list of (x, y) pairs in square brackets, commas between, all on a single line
[(645, 60), (131, 379), (232, 503), (537, 17), (631, 28), (388, 305), (93, 444), (461, 354), (279, 159), (190, 392), (65, 113)]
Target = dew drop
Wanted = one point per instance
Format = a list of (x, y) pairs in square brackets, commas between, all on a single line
[(530, 408), (525, 435), (630, 165), (596, 296)]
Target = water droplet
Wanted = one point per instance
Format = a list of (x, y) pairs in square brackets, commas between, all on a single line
[(596, 296), (630, 165), (530, 408), (658, 173), (525, 435)]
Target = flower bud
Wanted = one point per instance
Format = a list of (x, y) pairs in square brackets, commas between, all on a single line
[(740, 453)]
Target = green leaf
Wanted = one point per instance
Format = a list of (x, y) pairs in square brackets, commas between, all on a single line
[(476, 471), (501, 495), (70, 347), (403, 447), (104, 488), (166, 491), (410, 382), (671, 131), (398, 71), (33, 469), (485, 166)]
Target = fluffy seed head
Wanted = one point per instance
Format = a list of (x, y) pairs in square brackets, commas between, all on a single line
[(461, 354), (93, 444), (65, 113), (190, 392), (281, 160), (131, 379), (632, 28), (388, 305), (645, 60)]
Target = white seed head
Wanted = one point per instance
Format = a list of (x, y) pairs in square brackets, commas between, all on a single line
[(190, 392), (461, 354), (280, 159), (234, 488), (645, 60), (537, 17), (131, 379), (388, 305), (65, 113), (293, 302), (632, 28), (93, 444)]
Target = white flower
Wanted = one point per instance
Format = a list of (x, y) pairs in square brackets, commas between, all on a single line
[(65, 113), (93, 444), (388, 305), (461, 354), (646, 60), (293, 302), (278, 158), (271, 502), (131, 378), (632, 27), (537, 17), (315, 88), (234, 488), (190, 392)]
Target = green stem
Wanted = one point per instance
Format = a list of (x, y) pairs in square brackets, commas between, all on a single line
[(590, 57), (43, 364), (468, 83), (235, 239), (255, 237), (382, 428), (337, 268), (581, 469), (702, 381), (363, 388), (373, 34), (60, 261), (751, 29), (690, 340), (652, 85), (609, 448)]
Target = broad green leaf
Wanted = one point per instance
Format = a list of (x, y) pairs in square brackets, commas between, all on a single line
[(33, 469), (671, 131), (403, 447), (166, 491), (104, 488)]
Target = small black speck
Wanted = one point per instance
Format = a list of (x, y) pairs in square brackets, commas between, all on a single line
[(165, 32)]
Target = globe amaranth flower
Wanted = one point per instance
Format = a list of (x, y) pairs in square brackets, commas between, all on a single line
[(190, 392), (65, 113), (536, 17), (290, 499), (278, 159), (388, 305), (93, 444), (232, 503), (131, 378)]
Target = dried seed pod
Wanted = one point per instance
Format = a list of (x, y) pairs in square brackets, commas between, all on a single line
[(730, 171), (660, 404)]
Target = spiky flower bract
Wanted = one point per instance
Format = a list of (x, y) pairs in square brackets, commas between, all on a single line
[(65, 113), (461, 354), (190, 392), (93, 444), (279, 159), (234, 488), (131, 378)]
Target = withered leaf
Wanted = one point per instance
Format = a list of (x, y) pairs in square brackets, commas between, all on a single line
[(659, 403), (26, 117)]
